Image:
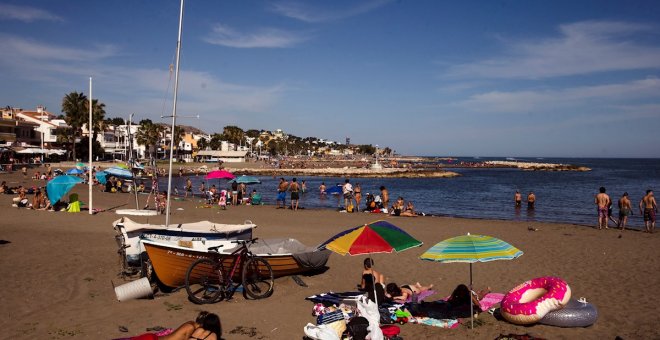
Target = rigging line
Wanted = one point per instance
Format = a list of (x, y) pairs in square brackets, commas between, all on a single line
[(169, 82)]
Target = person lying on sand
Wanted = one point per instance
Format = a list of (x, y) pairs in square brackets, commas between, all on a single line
[(401, 294), (207, 326), (462, 295)]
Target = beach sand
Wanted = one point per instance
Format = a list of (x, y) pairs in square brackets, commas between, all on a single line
[(57, 268)]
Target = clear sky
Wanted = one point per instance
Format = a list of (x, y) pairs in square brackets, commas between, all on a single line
[(473, 78)]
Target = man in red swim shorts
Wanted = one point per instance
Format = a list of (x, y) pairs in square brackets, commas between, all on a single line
[(603, 202), (650, 208)]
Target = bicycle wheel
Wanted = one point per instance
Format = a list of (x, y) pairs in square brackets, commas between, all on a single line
[(257, 278), (204, 281)]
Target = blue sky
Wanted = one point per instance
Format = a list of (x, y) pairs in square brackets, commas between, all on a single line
[(473, 78)]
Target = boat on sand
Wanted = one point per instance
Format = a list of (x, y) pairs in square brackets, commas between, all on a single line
[(130, 235), (285, 256)]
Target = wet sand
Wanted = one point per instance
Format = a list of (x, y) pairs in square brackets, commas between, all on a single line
[(57, 268)]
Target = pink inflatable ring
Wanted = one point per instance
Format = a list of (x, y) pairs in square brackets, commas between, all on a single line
[(532, 300)]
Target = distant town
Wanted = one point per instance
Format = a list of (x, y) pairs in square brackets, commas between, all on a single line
[(41, 136)]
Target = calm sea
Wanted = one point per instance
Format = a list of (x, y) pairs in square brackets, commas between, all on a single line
[(488, 193)]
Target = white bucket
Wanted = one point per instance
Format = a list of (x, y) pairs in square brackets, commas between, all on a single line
[(134, 290)]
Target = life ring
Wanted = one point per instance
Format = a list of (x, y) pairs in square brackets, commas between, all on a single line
[(531, 301), (577, 313)]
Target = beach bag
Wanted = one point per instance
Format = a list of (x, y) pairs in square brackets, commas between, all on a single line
[(390, 331), (23, 203), (350, 208), (321, 332), (329, 317), (369, 310), (385, 316), (358, 328)]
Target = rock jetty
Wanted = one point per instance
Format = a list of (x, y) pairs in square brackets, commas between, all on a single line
[(532, 166)]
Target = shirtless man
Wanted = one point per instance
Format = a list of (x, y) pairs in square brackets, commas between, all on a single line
[(281, 193), (625, 210), (518, 199), (603, 202), (531, 200), (648, 207), (189, 188), (385, 197), (295, 195), (322, 188)]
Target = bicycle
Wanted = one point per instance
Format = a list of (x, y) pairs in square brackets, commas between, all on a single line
[(208, 281)]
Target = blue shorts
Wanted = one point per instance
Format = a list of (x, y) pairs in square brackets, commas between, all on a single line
[(281, 196)]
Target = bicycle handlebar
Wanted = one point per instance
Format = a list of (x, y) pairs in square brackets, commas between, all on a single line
[(245, 242)]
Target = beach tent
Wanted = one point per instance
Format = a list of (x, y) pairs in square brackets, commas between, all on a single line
[(101, 176), (119, 172), (75, 171), (60, 186)]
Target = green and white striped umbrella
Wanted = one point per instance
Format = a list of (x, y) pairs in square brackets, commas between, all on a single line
[(471, 248)]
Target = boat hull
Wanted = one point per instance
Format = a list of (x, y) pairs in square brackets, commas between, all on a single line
[(170, 263)]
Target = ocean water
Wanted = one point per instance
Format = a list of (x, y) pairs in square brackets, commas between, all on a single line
[(566, 197)]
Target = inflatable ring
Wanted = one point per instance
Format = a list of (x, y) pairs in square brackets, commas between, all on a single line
[(575, 314), (532, 300)]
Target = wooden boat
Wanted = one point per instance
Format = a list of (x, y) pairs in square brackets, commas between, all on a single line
[(130, 234), (285, 256)]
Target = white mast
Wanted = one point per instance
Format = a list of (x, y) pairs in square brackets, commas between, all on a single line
[(90, 126), (176, 89)]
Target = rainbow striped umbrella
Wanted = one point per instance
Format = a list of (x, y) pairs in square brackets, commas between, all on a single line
[(471, 249), (375, 237)]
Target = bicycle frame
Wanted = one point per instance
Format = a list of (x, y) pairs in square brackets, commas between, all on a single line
[(239, 257)]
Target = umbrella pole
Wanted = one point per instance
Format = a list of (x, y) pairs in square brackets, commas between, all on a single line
[(471, 304)]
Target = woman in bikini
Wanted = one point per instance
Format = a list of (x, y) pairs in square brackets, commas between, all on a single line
[(207, 326), (357, 193), (401, 294)]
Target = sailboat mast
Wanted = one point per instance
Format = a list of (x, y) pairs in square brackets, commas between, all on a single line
[(176, 90)]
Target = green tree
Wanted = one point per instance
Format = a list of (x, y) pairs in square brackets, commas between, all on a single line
[(233, 134), (216, 141), (202, 143), (178, 135), (73, 106), (98, 116), (149, 135)]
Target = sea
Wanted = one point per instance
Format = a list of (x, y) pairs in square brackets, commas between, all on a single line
[(487, 193)]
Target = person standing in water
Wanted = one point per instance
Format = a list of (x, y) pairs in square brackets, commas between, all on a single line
[(517, 198), (531, 200), (650, 208), (603, 203), (625, 210)]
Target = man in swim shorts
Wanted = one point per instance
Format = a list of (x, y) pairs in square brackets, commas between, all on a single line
[(625, 210), (603, 202), (648, 207), (281, 193), (295, 195), (531, 200), (518, 199)]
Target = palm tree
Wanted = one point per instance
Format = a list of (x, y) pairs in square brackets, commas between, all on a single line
[(98, 116), (73, 106), (178, 135), (148, 135)]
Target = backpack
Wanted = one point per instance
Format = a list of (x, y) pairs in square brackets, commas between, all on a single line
[(357, 328)]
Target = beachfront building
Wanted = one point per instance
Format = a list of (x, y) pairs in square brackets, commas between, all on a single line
[(46, 126), (222, 156)]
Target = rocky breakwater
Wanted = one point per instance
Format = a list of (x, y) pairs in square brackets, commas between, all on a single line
[(349, 172), (532, 166)]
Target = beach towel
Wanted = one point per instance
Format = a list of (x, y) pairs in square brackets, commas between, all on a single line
[(442, 323), (331, 298), (423, 295), (490, 300)]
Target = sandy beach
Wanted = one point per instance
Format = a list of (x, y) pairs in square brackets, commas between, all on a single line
[(57, 268)]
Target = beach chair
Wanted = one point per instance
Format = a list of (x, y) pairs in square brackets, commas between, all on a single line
[(74, 204)]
